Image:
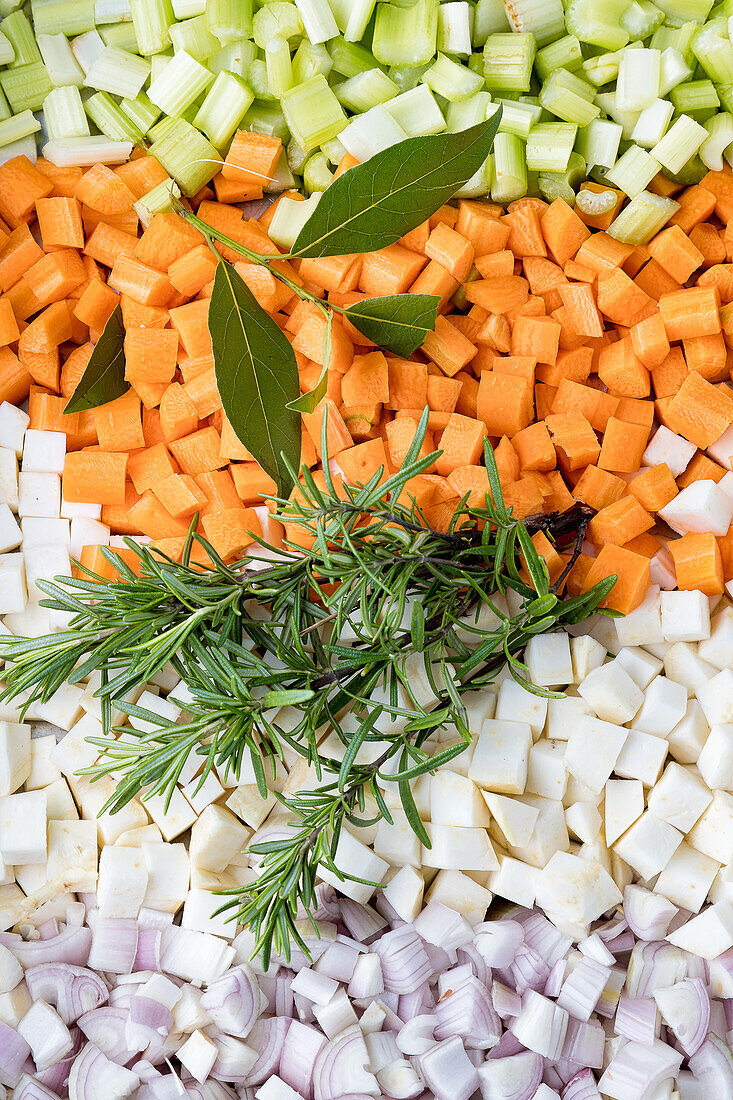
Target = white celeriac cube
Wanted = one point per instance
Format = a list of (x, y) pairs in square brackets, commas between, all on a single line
[(717, 650), (579, 889), (404, 893), (169, 875), (216, 838), (699, 507), (665, 446), (362, 862), (515, 881), (60, 803), (43, 771), (458, 849), (44, 532), (86, 532), (144, 834), (43, 452), (13, 424), (73, 752), (456, 800), (687, 878), (611, 693), (546, 774), (722, 449), (71, 510), (712, 834), (15, 756), (92, 796), (397, 843), (584, 821), (64, 707), (624, 804), (548, 659), (9, 478), (202, 794), (715, 762), (643, 625), (516, 820), (44, 563), (46, 1034), (688, 736), (515, 704), (642, 757), (665, 704), (123, 880), (501, 756), (11, 535), (173, 820), (550, 834), (593, 749), (23, 828), (39, 495), (563, 715), (198, 1055), (248, 804), (715, 697), (461, 893), (13, 593), (72, 853), (707, 935), (683, 664), (158, 707), (685, 616), (648, 845), (641, 666), (199, 911), (680, 797), (586, 654)]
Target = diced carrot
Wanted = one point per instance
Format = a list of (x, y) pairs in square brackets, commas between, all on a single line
[(692, 312), (619, 297), (574, 440), (9, 331), (203, 393), (55, 275), (699, 411), (231, 531), (191, 272), (623, 446), (632, 571), (602, 253), (96, 304), (619, 522), (366, 381), (392, 270), (360, 463), (598, 488), (137, 315), (536, 336), (338, 437), (64, 179), (46, 331), (563, 230), (150, 466), (622, 372), (498, 295), (486, 233), (600, 220), (95, 477), (106, 244), (434, 279), (525, 236), (451, 250), (649, 341), (448, 347), (141, 174), (399, 435), (505, 403), (141, 283), (119, 424), (338, 274), (252, 483), (534, 448), (700, 468), (594, 405), (198, 453), (150, 518), (59, 221), (21, 185), (166, 239), (191, 323), (698, 563), (696, 204), (706, 239), (462, 443), (252, 158), (579, 301), (150, 355), (104, 191)]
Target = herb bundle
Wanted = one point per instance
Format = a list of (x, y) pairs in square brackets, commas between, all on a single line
[(343, 628)]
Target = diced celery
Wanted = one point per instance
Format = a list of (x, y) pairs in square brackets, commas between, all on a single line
[(695, 95), (565, 53), (7, 53), (642, 218), (371, 133), (110, 12), (26, 87), (316, 174), (160, 128), (682, 11), (516, 118), (156, 201), (674, 69), (318, 20), (194, 37), (406, 36), (282, 179), (19, 33), (715, 54), (407, 79), (296, 156), (638, 79), (62, 66), (510, 169), (453, 81), (461, 116), (63, 113), (545, 19), (118, 72), (597, 22), (417, 112), (341, 10), (569, 98), (141, 112), (310, 60), (693, 171), (262, 118), (235, 57), (350, 59), (225, 105), (83, 151), (277, 18), (652, 123), (641, 18), (110, 119), (489, 18), (455, 24), (598, 142), (549, 146), (179, 85), (186, 155), (633, 171), (359, 13), (602, 69), (563, 185), (121, 35), (333, 150), (152, 20), (626, 119), (229, 20), (676, 38), (682, 141), (313, 113), (159, 63), (63, 16), (87, 48), (480, 182), (725, 92), (366, 90), (18, 127), (186, 9), (257, 79), (720, 138), (289, 218), (279, 66), (508, 60)]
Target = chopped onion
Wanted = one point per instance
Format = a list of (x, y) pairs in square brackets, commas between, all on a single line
[(685, 1007), (105, 1027), (114, 945), (341, 1065), (648, 915), (72, 990), (72, 945), (93, 1075), (234, 1001), (448, 1071), (514, 1078), (469, 1013), (405, 963)]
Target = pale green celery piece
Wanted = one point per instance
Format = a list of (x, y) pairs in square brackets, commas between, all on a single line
[(489, 18), (62, 66), (181, 83), (334, 150), (316, 174), (313, 113), (417, 112), (452, 81), (160, 128), (26, 87), (18, 127), (359, 93), (111, 12), (549, 146), (350, 59), (565, 53), (641, 18), (563, 185), (296, 157), (626, 119), (455, 26), (480, 183), (277, 18), (545, 19), (407, 79), (652, 123), (341, 10), (193, 36), (644, 216), (720, 138), (118, 72), (676, 38), (5, 111), (225, 105), (63, 113), (19, 33), (152, 20), (282, 179), (461, 116), (110, 119), (633, 171), (597, 22), (690, 173), (289, 218), (569, 98), (121, 35), (235, 57), (680, 143), (229, 20), (156, 201), (258, 81), (725, 92), (639, 74), (8, 6), (360, 13), (186, 155), (371, 133), (674, 70), (158, 64), (186, 9), (715, 54), (695, 95), (267, 118), (318, 20), (406, 36), (310, 60), (679, 12), (7, 53), (602, 69), (510, 169), (68, 17), (279, 66), (516, 118), (508, 60), (598, 142), (141, 112)]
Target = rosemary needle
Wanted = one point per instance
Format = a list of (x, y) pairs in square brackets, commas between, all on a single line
[(337, 627)]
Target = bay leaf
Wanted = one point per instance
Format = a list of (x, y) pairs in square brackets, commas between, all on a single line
[(375, 203), (257, 377), (103, 379), (398, 323)]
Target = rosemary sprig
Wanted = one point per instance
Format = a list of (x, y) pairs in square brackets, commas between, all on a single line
[(341, 624)]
